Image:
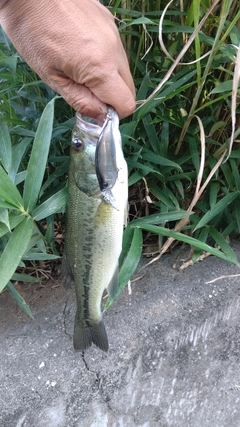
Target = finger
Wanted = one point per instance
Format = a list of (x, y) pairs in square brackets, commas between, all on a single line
[(115, 92), (125, 73), (93, 103), (78, 96)]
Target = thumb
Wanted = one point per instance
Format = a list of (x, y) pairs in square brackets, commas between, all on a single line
[(117, 92)]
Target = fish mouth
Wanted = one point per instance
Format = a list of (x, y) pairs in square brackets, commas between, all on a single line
[(90, 127), (89, 122)]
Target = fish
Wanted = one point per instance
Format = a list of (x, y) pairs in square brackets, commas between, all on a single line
[(94, 227)]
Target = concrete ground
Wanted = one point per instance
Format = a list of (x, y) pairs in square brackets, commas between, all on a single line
[(174, 357)]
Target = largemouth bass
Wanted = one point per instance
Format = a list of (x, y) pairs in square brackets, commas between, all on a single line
[(94, 229)]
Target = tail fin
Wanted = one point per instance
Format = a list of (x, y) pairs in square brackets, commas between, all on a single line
[(85, 335)]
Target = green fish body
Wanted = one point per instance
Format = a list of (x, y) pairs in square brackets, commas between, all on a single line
[(94, 229)]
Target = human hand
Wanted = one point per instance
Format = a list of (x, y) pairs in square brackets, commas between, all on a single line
[(75, 48)]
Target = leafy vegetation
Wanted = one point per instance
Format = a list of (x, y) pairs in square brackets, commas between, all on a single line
[(181, 144), (33, 166)]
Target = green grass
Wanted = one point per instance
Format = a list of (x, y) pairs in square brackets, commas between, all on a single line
[(181, 144)]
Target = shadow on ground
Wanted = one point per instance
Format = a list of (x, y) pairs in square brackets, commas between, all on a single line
[(173, 358)]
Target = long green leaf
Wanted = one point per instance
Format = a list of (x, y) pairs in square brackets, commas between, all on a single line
[(59, 172), (145, 167), (37, 256), (4, 217), (217, 209), (8, 61), (222, 243), (9, 192), (132, 259), (142, 92), (129, 264), (52, 205), (159, 160), (17, 154), (3, 230), (169, 89), (136, 176), (223, 87), (137, 21), (127, 240), (14, 250), (5, 146), (20, 277), (127, 130), (20, 177), (7, 205), (151, 133), (38, 158), (14, 219), (187, 239), (19, 299), (160, 218)]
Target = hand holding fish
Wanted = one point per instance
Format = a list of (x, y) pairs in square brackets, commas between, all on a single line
[(74, 46)]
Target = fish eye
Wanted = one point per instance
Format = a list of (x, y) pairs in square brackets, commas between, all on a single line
[(105, 185), (77, 144)]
